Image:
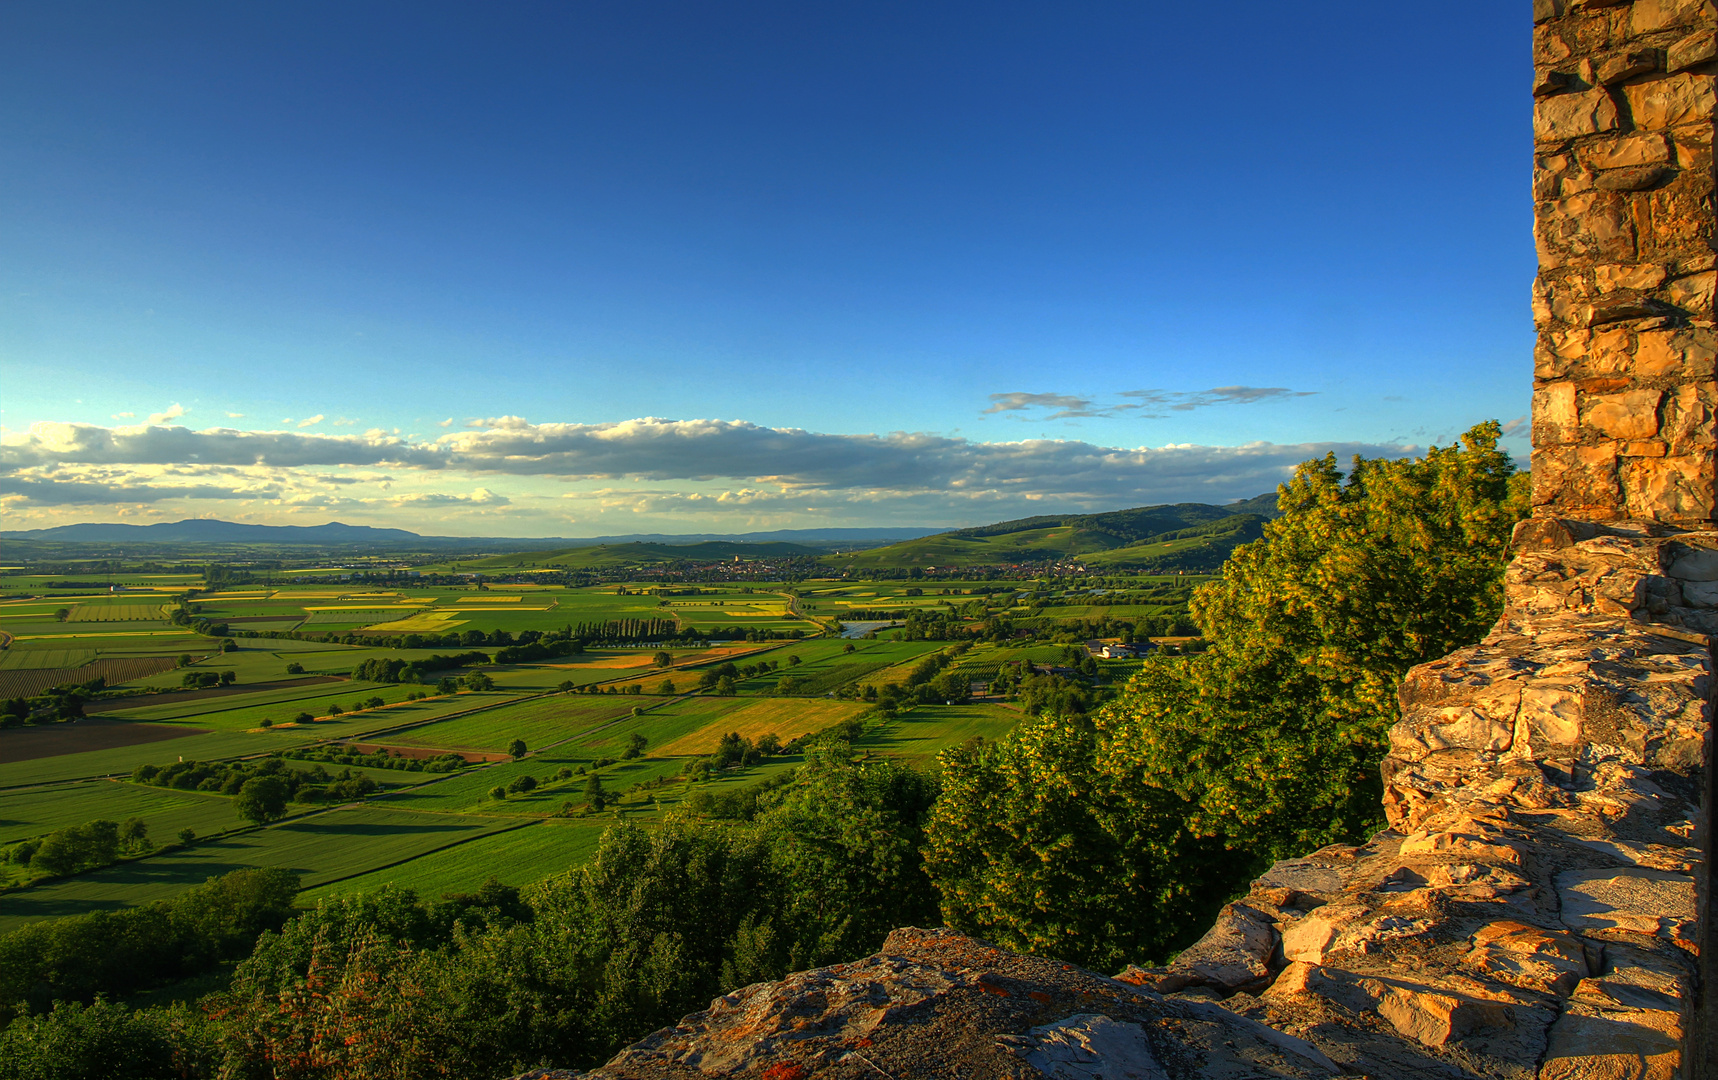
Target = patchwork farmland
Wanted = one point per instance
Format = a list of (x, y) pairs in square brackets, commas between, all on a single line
[(478, 762)]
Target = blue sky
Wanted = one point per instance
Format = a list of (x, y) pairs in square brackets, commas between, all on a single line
[(434, 265)]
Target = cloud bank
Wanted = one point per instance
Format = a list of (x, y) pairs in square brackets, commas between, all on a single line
[(688, 467)]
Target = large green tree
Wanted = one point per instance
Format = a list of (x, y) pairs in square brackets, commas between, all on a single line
[(1114, 840)]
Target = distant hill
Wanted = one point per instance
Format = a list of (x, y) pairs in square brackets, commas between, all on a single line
[(204, 531), (1181, 536), (209, 531), (610, 556)]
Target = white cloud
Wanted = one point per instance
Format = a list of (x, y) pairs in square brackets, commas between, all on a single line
[(778, 471), (174, 411), (124, 415), (53, 442), (235, 416), (478, 497), (311, 421), (444, 423)]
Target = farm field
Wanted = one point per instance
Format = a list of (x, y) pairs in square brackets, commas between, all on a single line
[(917, 737), (34, 811), (539, 721), (245, 711), (516, 857), (130, 611), (321, 847), (786, 718), (99, 749), (105, 759), (28, 682), (22, 659)]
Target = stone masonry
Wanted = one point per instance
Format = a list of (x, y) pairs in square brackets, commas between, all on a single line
[(1623, 186), (1534, 911)]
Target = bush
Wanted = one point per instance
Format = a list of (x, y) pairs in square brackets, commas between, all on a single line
[(522, 784), (80, 847), (498, 793), (105, 1039), (262, 799), (121, 952)]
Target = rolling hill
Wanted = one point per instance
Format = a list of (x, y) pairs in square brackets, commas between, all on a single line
[(1181, 536)]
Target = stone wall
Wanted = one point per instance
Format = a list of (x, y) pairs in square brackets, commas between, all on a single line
[(1534, 910), (1623, 186)]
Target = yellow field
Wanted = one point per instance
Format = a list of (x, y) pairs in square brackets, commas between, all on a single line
[(489, 600), (363, 607), (424, 621), (639, 660), (115, 613), (787, 718)]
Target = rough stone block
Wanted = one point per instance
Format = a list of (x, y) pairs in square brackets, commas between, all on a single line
[(1649, 15), (1675, 488), (1568, 116), (1528, 957), (1433, 1017), (1235, 953), (1693, 50), (1627, 152), (1667, 102), (1629, 415), (1693, 293), (1632, 899), (1594, 1044), (1555, 418)]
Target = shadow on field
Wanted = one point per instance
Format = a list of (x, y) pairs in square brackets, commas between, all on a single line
[(372, 829)]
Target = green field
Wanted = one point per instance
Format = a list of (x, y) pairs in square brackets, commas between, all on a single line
[(18, 658), (119, 761), (515, 857), (917, 737), (321, 847), (539, 722), (34, 811), (241, 712)]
